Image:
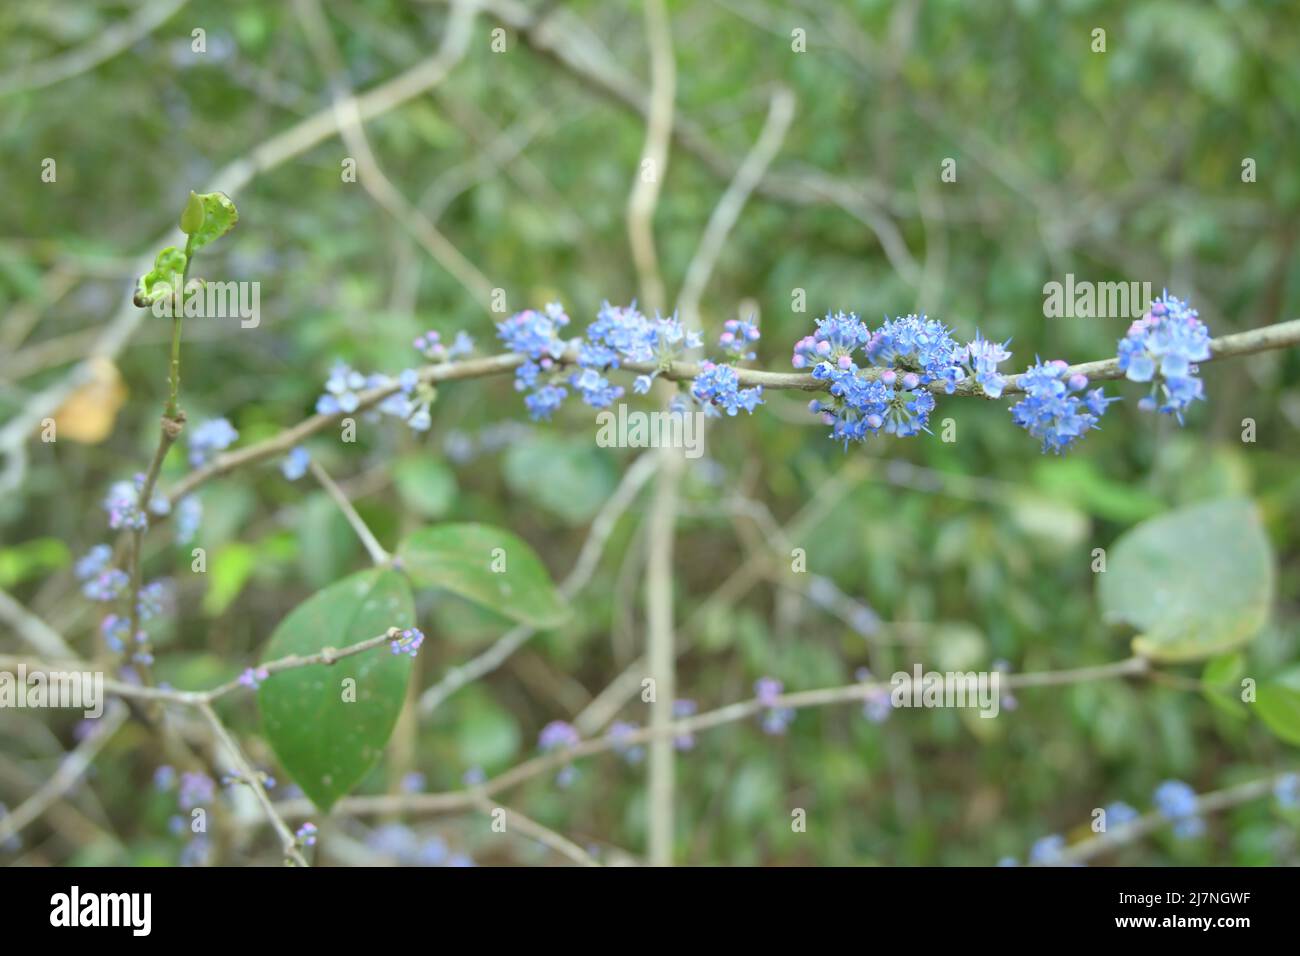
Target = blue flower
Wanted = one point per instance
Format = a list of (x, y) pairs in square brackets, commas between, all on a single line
[(211, 436), (622, 334), (738, 338), (718, 386), (595, 389), (1119, 813), (981, 360), (837, 337), (536, 335), (618, 733), (189, 514), (558, 735), (1052, 410), (295, 463), (306, 834), (93, 562), (1162, 348), (123, 506), (913, 343), (342, 391), (1176, 801), (407, 642), (542, 403), (1047, 850)]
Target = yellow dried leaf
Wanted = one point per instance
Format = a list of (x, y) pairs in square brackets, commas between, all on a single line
[(89, 412)]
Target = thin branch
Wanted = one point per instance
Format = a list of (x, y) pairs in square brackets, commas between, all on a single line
[(1265, 338), (42, 638), (779, 114), (107, 44), (72, 768), (254, 780), (1148, 823), (369, 173), (195, 698), (544, 835), (741, 710), (376, 550), (653, 166)]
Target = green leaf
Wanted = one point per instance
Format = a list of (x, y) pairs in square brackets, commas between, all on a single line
[(488, 566), (326, 738), (219, 217), (426, 485), (168, 267), (1278, 705), (1195, 582)]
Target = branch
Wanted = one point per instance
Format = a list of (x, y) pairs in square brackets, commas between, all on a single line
[(742, 710), (544, 835), (376, 551), (1265, 338), (70, 771), (254, 780), (197, 698), (1150, 822)]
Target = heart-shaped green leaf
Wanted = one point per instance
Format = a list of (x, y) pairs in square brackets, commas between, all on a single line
[(219, 217), (329, 724), (488, 566), (1196, 582)]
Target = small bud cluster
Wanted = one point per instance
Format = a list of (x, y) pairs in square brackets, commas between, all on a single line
[(1162, 348)]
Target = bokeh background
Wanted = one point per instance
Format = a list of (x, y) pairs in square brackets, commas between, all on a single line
[(1122, 165)]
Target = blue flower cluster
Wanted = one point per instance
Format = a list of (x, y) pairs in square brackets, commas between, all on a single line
[(619, 336), (911, 354), (212, 436), (430, 345), (619, 733), (1177, 802), (100, 581), (295, 463), (537, 336), (737, 339), (408, 641), (1162, 348), (1052, 409), (775, 718), (558, 735), (718, 387), (409, 402)]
